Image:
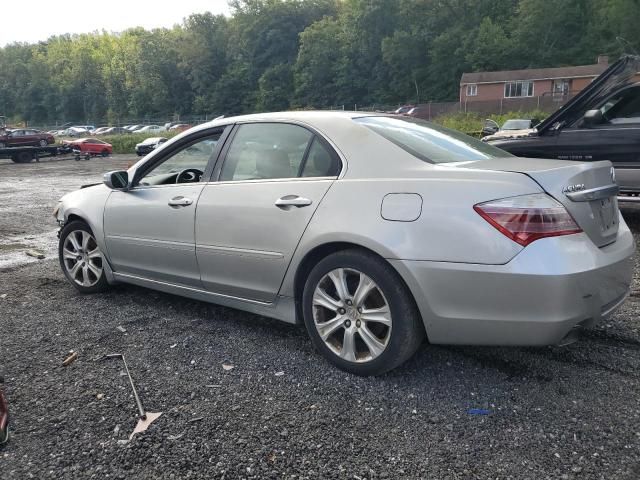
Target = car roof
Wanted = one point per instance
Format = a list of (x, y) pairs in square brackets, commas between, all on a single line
[(305, 116)]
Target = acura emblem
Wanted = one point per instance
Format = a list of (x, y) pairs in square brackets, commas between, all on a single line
[(573, 188)]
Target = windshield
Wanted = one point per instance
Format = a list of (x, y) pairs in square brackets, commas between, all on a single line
[(429, 142), (516, 125)]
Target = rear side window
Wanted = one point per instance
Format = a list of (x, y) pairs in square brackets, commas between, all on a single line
[(320, 162), (429, 142)]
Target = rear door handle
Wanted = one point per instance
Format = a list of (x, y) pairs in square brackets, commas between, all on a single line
[(180, 202), (292, 201)]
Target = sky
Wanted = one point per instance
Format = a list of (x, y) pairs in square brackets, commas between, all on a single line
[(37, 20)]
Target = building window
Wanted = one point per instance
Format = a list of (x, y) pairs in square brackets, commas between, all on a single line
[(521, 88), (472, 90)]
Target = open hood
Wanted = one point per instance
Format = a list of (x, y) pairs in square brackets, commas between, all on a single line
[(618, 75)]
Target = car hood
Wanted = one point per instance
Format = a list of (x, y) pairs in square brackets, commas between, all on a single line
[(618, 75), (509, 134)]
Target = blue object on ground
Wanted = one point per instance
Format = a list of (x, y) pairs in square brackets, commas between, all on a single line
[(478, 411)]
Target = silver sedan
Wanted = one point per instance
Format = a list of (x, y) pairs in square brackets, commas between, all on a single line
[(375, 231)]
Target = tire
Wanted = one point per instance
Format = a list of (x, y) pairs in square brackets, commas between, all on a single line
[(77, 238), (43, 143), (104, 153), (398, 329), (22, 157)]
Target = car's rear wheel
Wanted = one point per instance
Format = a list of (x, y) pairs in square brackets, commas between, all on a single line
[(359, 313), (80, 257), (43, 143), (105, 153)]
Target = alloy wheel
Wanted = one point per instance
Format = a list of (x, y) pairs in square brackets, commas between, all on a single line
[(352, 315), (82, 258)]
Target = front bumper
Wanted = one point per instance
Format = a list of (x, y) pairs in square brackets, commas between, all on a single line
[(553, 286)]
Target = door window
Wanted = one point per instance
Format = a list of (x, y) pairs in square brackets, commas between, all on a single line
[(187, 165), (265, 151), (262, 151)]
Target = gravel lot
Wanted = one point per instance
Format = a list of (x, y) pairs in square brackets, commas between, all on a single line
[(282, 411)]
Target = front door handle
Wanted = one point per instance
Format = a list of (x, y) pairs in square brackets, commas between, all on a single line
[(180, 202), (289, 201)]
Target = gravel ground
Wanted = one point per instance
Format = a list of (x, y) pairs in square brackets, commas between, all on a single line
[(281, 411)]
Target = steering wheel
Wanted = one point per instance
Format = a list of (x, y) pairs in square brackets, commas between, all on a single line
[(189, 175)]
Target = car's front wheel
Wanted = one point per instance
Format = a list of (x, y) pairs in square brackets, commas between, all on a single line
[(43, 143), (360, 314), (81, 259)]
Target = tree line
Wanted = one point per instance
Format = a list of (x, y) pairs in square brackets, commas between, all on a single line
[(279, 54)]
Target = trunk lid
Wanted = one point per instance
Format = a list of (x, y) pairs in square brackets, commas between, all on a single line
[(618, 75), (586, 189)]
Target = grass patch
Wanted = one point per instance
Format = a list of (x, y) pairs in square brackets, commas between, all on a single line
[(471, 123)]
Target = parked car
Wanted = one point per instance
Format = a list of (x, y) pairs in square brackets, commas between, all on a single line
[(75, 132), (25, 137), (180, 127), (92, 146), (403, 110), (149, 144), (115, 131), (99, 130), (133, 128), (151, 129), (349, 222), (602, 122), (513, 128)]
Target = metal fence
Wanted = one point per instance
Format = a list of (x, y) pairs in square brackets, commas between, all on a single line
[(547, 103)]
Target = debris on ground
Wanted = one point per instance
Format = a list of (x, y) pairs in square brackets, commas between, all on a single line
[(35, 254), (145, 418), (279, 374), (72, 357), (121, 329), (143, 424), (478, 411), (227, 366)]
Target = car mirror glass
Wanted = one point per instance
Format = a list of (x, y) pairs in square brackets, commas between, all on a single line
[(117, 180)]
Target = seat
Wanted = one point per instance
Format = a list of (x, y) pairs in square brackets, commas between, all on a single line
[(273, 164)]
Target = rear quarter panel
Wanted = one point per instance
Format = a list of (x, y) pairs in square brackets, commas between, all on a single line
[(447, 230)]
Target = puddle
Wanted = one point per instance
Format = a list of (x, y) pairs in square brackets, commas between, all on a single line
[(13, 249)]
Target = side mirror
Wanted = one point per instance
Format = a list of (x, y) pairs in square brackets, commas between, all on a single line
[(118, 180), (592, 117)]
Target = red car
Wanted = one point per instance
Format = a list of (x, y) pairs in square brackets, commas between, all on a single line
[(25, 137), (91, 146)]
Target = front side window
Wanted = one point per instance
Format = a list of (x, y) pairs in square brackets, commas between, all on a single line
[(429, 142), (472, 90), (264, 151), (187, 165), (521, 88)]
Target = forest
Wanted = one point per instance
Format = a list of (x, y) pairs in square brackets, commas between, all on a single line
[(271, 55)]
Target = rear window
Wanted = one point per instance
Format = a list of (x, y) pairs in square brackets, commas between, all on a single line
[(429, 142)]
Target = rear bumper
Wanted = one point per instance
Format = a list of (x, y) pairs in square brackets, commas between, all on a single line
[(538, 298)]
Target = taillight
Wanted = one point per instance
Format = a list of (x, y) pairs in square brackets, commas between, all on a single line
[(527, 218)]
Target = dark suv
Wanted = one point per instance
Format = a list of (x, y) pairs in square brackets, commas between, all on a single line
[(602, 122), (25, 137)]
